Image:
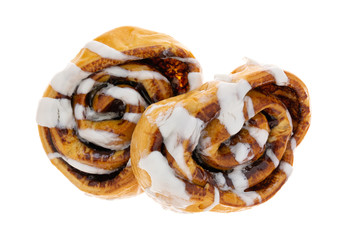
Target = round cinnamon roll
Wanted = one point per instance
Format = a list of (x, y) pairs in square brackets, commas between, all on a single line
[(225, 146), (89, 111)]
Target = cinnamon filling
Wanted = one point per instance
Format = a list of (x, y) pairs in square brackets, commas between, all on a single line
[(78, 173), (175, 70)]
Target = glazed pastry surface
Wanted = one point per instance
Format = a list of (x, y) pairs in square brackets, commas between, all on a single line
[(88, 113), (225, 146)]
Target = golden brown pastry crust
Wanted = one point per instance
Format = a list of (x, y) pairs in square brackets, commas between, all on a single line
[(211, 177), (138, 50)]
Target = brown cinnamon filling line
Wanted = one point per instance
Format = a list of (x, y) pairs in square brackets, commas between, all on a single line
[(288, 97), (256, 165), (93, 177), (117, 106), (77, 173), (109, 104), (174, 70)]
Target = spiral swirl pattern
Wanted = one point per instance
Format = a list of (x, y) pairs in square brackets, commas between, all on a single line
[(88, 113), (226, 146)]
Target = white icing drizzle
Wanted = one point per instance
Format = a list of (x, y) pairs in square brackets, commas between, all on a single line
[(286, 168), (231, 100), (239, 179), (195, 80), (103, 138), (248, 197), (250, 108), (82, 113), (132, 117), (220, 180), (223, 77), (80, 166), (240, 183), (128, 163), (164, 181), (241, 152), (67, 80), (175, 126), (105, 51), (55, 113), (278, 74), (139, 75), (289, 119), (127, 95), (273, 157), (86, 86), (293, 143), (260, 135), (152, 107), (205, 145), (216, 200)]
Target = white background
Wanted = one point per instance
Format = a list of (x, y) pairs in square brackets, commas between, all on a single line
[(306, 38)]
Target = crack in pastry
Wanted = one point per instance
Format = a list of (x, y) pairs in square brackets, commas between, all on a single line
[(89, 111)]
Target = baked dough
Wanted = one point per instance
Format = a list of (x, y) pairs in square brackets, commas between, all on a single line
[(89, 111), (225, 146)]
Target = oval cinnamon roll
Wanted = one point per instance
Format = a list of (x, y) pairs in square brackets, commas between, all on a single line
[(226, 146), (89, 111)]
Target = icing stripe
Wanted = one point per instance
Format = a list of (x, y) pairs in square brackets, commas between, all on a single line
[(250, 108), (82, 113), (104, 139), (289, 119), (86, 86), (139, 75), (216, 200), (230, 98), (127, 95), (248, 197), (190, 128), (240, 183), (164, 180), (293, 143), (220, 180), (286, 168), (55, 113), (132, 117), (260, 135), (278, 74), (195, 80), (80, 166), (273, 157), (105, 51), (238, 178), (241, 152), (66, 81)]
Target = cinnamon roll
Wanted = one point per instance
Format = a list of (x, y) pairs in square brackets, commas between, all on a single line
[(88, 113), (225, 146)]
